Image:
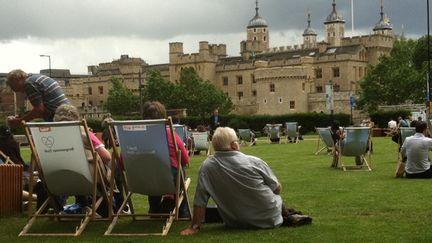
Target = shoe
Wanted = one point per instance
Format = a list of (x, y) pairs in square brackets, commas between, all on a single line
[(126, 209), (296, 220)]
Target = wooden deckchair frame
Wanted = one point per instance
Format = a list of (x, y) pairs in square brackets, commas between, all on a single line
[(181, 188), (366, 166), (97, 179)]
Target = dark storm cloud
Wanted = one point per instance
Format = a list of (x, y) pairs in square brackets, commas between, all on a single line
[(169, 18)]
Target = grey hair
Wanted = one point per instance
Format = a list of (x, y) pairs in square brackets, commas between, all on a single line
[(66, 112), (222, 138), (15, 75)]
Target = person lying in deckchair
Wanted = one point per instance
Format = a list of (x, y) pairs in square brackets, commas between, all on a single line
[(244, 188)]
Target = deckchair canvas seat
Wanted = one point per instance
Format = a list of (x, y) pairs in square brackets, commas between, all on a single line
[(325, 135), (355, 144), (148, 170), (65, 168), (292, 131)]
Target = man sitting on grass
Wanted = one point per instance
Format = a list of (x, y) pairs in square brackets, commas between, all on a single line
[(243, 187), (416, 149)]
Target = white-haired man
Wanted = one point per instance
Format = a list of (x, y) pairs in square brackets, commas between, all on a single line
[(243, 187)]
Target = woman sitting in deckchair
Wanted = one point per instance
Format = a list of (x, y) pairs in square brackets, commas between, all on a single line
[(155, 110)]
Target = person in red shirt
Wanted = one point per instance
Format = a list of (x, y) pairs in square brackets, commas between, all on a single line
[(156, 110)]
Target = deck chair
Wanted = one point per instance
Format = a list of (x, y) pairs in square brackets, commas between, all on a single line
[(148, 171), (273, 132), (68, 165), (355, 144), (292, 131), (325, 135), (246, 136), (182, 132), (404, 132), (200, 141)]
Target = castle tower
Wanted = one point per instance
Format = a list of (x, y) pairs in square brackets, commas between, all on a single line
[(383, 26), (335, 27), (257, 36), (309, 35)]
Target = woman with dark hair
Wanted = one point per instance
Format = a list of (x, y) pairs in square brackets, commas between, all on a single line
[(155, 110)]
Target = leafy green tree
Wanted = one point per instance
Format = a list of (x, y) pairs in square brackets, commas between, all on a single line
[(201, 97), (121, 101), (420, 52), (393, 80), (159, 89)]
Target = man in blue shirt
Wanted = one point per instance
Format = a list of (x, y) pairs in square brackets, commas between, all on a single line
[(44, 93)]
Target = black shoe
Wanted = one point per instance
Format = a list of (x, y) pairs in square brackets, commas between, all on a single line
[(296, 220)]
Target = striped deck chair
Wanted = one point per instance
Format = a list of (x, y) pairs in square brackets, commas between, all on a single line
[(68, 165), (325, 135), (10, 185), (200, 141), (292, 131), (148, 171), (355, 144)]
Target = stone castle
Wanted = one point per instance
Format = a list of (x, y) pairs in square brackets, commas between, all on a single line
[(262, 79)]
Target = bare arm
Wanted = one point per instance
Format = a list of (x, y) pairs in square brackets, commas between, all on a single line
[(37, 112), (104, 154), (198, 217)]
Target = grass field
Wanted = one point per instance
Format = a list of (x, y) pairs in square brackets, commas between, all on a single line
[(345, 206)]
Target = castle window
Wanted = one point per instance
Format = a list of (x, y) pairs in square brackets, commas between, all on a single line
[(292, 104), (264, 30), (319, 89), (240, 95), (336, 72), (265, 101), (225, 81), (265, 39), (280, 100), (255, 38), (253, 78), (254, 30), (100, 89), (90, 90), (303, 87), (336, 87), (272, 87), (318, 73), (254, 92), (240, 79)]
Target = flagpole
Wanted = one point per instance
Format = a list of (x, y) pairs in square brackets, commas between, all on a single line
[(352, 17)]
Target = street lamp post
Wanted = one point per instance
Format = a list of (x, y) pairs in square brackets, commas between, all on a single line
[(49, 62)]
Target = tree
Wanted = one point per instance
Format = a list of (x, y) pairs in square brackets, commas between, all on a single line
[(201, 97), (159, 89), (393, 80), (420, 53), (121, 101)]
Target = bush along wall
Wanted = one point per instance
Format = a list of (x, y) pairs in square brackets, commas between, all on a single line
[(308, 121)]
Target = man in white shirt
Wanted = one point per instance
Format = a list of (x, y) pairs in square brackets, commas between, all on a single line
[(416, 148)]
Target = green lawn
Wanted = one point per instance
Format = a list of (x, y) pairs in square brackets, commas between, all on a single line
[(345, 206)]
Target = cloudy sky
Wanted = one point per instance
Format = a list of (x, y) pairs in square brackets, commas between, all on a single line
[(79, 33)]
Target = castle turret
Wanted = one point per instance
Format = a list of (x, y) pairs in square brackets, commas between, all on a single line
[(335, 27), (309, 35), (175, 49), (383, 26), (257, 36)]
